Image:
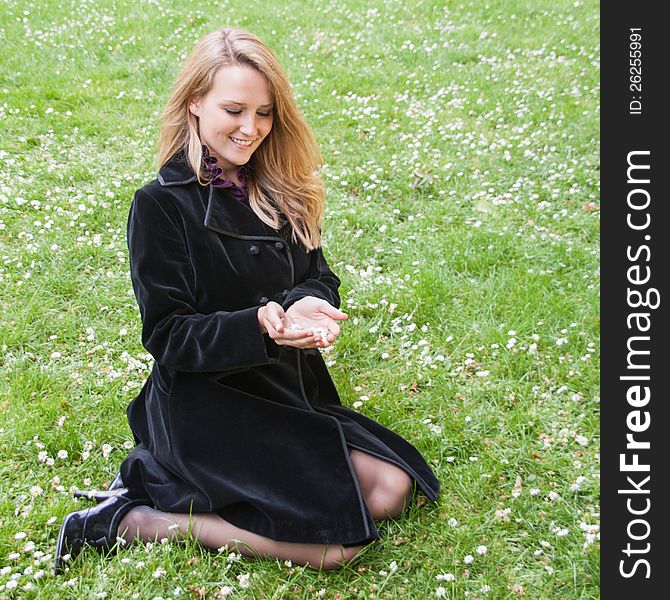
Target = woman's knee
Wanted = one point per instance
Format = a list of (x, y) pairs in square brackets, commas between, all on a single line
[(396, 481), (391, 494)]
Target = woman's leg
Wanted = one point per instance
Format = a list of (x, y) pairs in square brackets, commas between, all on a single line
[(386, 489), (214, 532)]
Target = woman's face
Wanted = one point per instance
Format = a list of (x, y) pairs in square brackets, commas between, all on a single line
[(235, 116)]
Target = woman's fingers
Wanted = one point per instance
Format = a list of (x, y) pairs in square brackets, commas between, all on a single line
[(317, 328), (333, 328), (291, 337), (309, 323), (325, 331), (314, 308), (332, 312), (274, 315)]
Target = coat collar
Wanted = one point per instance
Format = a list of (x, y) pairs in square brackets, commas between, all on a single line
[(224, 214), (176, 171)]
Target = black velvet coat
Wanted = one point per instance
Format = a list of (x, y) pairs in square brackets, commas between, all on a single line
[(228, 421)]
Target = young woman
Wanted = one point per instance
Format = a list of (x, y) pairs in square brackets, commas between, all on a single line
[(241, 437)]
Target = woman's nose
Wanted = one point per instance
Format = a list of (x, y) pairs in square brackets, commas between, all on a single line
[(248, 125)]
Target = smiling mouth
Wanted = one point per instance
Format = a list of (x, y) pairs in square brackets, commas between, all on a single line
[(243, 143)]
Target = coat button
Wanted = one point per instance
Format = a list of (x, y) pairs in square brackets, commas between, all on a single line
[(254, 249), (263, 300), (284, 293), (279, 245)]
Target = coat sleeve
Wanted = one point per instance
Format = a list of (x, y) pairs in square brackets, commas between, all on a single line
[(321, 282), (173, 331)]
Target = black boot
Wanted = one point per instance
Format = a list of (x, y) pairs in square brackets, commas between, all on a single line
[(117, 483), (96, 526), (114, 489)]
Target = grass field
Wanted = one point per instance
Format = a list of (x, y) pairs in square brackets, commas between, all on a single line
[(461, 154)]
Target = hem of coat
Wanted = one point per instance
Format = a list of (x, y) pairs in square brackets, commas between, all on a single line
[(132, 472), (370, 527), (368, 522), (428, 490)]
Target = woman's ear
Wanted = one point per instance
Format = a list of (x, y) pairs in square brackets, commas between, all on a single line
[(194, 106)]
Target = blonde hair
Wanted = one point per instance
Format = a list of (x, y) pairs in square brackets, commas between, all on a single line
[(284, 169)]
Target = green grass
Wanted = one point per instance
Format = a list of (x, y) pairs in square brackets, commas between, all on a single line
[(461, 150)]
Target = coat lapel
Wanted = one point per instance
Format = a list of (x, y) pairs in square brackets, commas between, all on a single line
[(224, 214), (231, 217)]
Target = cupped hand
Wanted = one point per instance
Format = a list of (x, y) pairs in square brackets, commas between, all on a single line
[(314, 314), (273, 321)]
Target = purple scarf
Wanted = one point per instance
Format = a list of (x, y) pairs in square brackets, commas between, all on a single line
[(215, 180)]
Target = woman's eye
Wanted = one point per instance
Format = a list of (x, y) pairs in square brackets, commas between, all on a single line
[(236, 112)]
